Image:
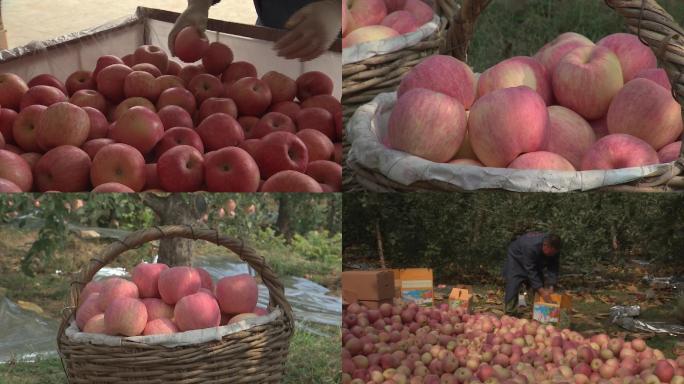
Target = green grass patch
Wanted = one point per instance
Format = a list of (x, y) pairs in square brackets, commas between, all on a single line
[(520, 27), (312, 359)]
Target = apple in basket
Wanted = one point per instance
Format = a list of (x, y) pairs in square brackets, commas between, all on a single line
[(89, 98), (138, 127), (367, 34), (62, 124), (237, 294), (217, 105), (175, 116), (236, 71), (43, 95), (217, 58), (79, 80), (65, 169), (282, 87), (47, 79), (152, 55), (291, 181), (634, 55), (25, 127), (619, 150)]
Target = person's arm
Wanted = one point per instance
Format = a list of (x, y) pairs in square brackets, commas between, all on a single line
[(196, 14), (313, 29)]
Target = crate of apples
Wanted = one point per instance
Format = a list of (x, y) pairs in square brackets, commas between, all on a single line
[(145, 122)]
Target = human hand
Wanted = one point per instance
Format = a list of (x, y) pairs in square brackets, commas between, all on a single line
[(313, 29), (545, 294), (196, 15)]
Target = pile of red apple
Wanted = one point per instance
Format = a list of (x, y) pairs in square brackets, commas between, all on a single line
[(574, 106), (163, 300), (143, 122), (404, 343), (373, 20)]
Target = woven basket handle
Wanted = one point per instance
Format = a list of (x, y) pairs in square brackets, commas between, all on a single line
[(138, 238), (462, 27)]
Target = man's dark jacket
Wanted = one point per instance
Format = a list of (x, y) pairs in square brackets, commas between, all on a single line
[(525, 262), (274, 13)]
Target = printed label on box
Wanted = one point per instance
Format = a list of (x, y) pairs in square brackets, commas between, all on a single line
[(418, 296)]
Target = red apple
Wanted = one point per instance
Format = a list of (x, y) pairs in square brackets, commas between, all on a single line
[(151, 177), (420, 10), (169, 81), (62, 124), (586, 80), (362, 13), (443, 74), (15, 169), (175, 116), (128, 59), (237, 70), (12, 89), (318, 119), (119, 163), (112, 188), (251, 95), (80, 80), (89, 98), (91, 147), (7, 186), (31, 158), (291, 181), (177, 96), (174, 68), (272, 122), (43, 95), (289, 108), (401, 21), (46, 79), (337, 155), (248, 123), (129, 103), (634, 55), (279, 151), (250, 145), (313, 83), (179, 136), (317, 144), (104, 62), (138, 127), (110, 81), (7, 118), (65, 169), (190, 44), (541, 160), (13, 149), (217, 105), (641, 106), (181, 169), (220, 130), (670, 152), (217, 58), (25, 127), (282, 87), (327, 102), (514, 72), (189, 72), (569, 135), (231, 169), (204, 86), (152, 55), (619, 150), (141, 84), (327, 173), (99, 126), (658, 75), (368, 34)]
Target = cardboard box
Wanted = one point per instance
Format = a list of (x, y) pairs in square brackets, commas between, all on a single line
[(371, 304), (557, 312), (415, 285), (373, 285), (461, 296)]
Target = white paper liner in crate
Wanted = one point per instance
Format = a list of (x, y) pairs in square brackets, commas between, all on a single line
[(199, 336), (369, 123), (369, 49)]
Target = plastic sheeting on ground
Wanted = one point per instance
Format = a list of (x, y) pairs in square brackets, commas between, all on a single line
[(24, 335), (625, 317)]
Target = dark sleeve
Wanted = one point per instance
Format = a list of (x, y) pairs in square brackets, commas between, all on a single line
[(552, 270), (528, 262), (214, 2)]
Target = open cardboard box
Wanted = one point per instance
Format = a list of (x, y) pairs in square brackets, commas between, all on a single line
[(556, 312), (415, 285), (461, 296), (63, 55)]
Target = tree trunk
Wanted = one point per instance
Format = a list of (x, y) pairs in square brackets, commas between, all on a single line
[(284, 217), (175, 209), (381, 251), (332, 211)]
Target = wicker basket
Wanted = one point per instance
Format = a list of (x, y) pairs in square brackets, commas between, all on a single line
[(363, 80), (255, 355), (644, 18)]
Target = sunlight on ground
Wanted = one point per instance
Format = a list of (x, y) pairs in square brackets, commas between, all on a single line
[(27, 20)]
